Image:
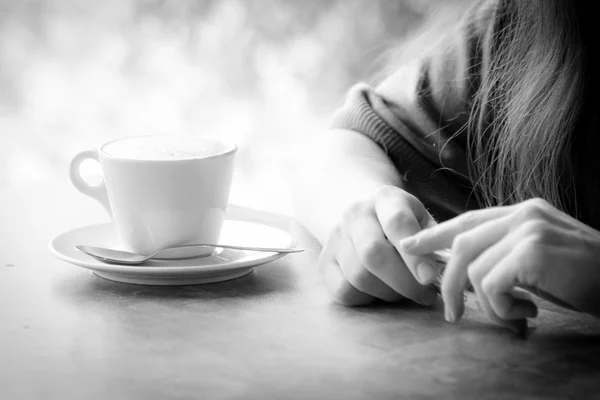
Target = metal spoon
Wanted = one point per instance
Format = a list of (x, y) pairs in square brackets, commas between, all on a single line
[(113, 256)]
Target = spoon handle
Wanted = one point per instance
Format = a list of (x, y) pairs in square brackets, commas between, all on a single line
[(236, 247)]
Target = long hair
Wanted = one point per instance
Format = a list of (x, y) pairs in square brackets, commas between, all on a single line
[(533, 128)]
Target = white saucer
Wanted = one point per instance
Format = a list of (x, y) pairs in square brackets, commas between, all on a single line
[(223, 265)]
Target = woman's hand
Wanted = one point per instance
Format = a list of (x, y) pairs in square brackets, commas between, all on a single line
[(529, 245), (362, 261)]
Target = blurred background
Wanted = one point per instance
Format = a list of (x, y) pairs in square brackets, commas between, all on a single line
[(264, 73)]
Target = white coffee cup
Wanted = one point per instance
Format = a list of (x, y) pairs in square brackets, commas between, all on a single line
[(161, 191)]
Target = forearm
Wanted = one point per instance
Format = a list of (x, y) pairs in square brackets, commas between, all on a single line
[(346, 167)]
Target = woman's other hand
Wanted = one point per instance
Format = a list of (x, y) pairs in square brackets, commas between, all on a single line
[(529, 245), (362, 261)]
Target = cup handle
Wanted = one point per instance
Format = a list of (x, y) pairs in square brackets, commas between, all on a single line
[(97, 192)]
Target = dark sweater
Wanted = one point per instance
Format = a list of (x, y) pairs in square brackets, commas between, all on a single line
[(418, 115)]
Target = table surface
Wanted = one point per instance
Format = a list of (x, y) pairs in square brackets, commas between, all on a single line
[(66, 333)]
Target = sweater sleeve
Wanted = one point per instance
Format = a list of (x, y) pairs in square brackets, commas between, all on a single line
[(419, 116)]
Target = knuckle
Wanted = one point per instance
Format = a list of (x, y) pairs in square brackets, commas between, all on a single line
[(399, 219), (359, 277), (335, 233), (534, 209), (538, 202), (375, 253), (487, 286), (469, 218), (533, 259), (387, 190), (537, 231), (409, 198), (338, 286), (353, 211), (352, 214), (460, 243)]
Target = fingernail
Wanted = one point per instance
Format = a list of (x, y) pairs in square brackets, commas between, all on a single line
[(408, 242), (448, 315), (425, 272)]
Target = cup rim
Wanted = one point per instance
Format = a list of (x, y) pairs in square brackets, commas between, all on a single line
[(230, 148)]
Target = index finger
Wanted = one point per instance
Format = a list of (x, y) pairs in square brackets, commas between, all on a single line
[(441, 236)]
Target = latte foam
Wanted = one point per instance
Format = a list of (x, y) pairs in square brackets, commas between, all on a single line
[(158, 148)]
